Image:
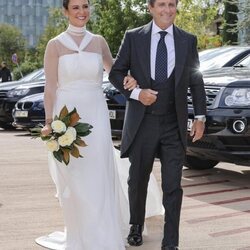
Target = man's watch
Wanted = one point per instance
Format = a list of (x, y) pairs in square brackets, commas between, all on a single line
[(201, 118)]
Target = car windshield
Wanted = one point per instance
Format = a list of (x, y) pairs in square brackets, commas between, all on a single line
[(35, 75), (217, 57)]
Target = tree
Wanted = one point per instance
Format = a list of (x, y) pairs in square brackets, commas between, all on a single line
[(198, 17), (57, 23), (243, 25), (11, 41), (230, 32), (111, 18)]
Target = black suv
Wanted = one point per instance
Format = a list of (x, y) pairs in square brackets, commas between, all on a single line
[(227, 134)]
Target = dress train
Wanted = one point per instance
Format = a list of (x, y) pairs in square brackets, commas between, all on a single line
[(56, 240)]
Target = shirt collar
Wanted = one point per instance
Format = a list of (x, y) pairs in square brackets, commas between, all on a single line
[(156, 29)]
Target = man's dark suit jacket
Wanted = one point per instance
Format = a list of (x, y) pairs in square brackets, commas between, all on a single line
[(134, 56)]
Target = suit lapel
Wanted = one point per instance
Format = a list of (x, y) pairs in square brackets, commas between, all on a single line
[(180, 53), (143, 45)]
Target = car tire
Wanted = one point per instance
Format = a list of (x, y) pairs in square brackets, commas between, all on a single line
[(193, 162), (6, 126)]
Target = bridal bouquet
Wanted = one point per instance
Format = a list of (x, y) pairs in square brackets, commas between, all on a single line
[(66, 134)]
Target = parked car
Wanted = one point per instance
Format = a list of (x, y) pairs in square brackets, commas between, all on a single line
[(7, 89), (29, 111), (210, 59), (12, 96), (227, 134)]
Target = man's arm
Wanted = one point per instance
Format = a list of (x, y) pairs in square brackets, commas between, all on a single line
[(196, 83), (198, 95), (121, 66)]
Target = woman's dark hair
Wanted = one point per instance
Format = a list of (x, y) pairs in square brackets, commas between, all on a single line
[(66, 4), (152, 2)]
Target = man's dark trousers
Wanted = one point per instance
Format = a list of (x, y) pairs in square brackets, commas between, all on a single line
[(158, 135)]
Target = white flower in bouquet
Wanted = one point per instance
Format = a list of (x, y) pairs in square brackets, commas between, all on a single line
[(52, 145), (72, 131), (66, 139), (58, 126)]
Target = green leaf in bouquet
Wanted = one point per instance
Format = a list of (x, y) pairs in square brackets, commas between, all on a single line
[(35, 132), (58, 155), (66, 120), (56, 118), (80, 142), (82, 134), (83, 129), (46, 138)]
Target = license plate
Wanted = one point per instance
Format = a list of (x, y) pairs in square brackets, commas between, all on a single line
[(189, 124), (19, 113), (112, 114)]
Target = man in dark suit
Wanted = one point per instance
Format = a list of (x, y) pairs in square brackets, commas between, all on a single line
[(164, 61)]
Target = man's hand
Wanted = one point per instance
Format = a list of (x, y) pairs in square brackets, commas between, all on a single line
[(147, 96), (129, 82), (197, 130)]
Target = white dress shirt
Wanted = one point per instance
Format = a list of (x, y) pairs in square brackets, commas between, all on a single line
[(155, 37)]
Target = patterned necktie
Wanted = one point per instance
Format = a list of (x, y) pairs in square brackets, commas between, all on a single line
[(161, 62)]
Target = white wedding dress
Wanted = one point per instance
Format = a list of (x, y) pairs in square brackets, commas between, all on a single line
[(92, 190)]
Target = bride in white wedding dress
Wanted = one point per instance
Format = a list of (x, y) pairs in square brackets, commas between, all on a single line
[(92, 190)]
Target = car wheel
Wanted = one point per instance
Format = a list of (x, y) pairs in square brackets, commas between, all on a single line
[(193, 162), (6, 126)]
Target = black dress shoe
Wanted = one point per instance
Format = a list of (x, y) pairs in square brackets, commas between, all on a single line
[(135, 235), (169, 248)]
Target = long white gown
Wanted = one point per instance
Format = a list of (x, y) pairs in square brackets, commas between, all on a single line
[(92, 190)]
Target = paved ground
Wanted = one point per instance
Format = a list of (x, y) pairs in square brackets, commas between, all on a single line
[(215, 215)]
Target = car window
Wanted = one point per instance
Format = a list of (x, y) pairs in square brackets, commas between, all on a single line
[(245, 62), (216, 58)]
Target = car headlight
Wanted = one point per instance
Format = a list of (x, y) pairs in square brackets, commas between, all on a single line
[(39, 106), (17, 92), (235, 97)]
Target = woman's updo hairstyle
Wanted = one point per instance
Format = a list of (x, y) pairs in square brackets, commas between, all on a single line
[(66, 4)]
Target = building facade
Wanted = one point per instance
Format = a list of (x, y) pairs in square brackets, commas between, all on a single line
[(30, 16)]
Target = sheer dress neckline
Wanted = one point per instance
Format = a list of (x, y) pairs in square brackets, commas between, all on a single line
[(76, 31)]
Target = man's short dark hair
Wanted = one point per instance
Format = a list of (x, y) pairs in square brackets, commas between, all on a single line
[(152, 2)]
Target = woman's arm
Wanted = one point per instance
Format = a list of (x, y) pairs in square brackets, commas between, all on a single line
[(51, 76)]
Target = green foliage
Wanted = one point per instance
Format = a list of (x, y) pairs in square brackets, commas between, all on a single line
[(111, 18), (56, 24), (198, 17), (230, 33), (242, 24), (25, 67), (11, 41)]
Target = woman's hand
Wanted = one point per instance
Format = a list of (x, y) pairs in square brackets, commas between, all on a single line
[(129, 82), (46, 130)]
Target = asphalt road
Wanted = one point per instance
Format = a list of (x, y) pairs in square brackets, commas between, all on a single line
[(215, 214)]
